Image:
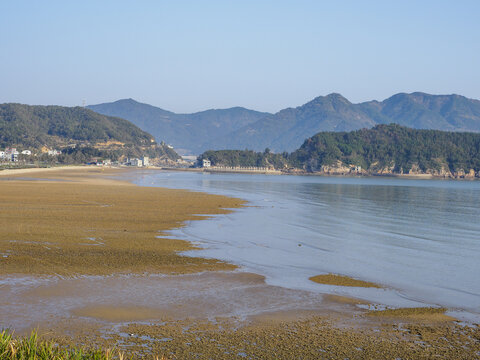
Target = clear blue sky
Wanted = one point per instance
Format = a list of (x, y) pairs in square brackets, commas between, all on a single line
[(187, 56)]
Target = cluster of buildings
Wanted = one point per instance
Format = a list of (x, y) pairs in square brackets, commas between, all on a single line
[(144, 161), (53, 152), (11, 154)]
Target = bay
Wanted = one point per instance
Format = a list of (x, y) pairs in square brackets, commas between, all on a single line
[(420, 239)]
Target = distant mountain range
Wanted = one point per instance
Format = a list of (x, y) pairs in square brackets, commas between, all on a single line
[(188, 133), (239, 128), (287, 129), (37, 127)]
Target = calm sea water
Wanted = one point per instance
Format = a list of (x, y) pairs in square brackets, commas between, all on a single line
[(418, 238)]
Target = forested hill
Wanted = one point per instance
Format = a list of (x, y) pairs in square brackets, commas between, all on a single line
[(25, 126), (188, 133), (245, 158), (391, 149), (384, 149)]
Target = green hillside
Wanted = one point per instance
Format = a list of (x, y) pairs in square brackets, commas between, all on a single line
[(391, 148), (245, 158), (37, 127)]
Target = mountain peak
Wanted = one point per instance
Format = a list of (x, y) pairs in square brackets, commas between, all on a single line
[(336, 96), (127, 101), (333, 99), (330, 97)]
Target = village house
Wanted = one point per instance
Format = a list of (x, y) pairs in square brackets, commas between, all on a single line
[(144, 161), (206, 163), (11, 154), (54, 152), (134, 162)]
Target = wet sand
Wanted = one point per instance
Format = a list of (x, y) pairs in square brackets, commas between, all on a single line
[(286, 335), (314, 338), (341, 280), (88, 224), (225, 315), (81, 262)]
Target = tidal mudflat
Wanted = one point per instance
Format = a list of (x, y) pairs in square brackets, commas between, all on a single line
[(89, 225), (90, 261)]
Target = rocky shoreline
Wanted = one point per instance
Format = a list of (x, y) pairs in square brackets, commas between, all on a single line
[(340, 169)]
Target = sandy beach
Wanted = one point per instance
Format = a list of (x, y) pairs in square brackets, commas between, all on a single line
[(87, 260)]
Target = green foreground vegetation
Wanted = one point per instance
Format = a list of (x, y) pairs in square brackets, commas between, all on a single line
[(31, 348)]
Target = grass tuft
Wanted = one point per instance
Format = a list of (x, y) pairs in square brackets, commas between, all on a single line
[(31, 348)]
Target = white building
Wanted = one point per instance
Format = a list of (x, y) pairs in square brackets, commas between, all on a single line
[(145, 161), (11, 154), (54, 152), (26, 152), (206, 163), (134, 162)]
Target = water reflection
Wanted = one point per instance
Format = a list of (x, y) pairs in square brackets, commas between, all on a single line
[(421, 237)]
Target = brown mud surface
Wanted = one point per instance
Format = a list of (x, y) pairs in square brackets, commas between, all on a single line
[(419, 314), (341, 280), (316, 337), (118, 313), (87, 224)]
